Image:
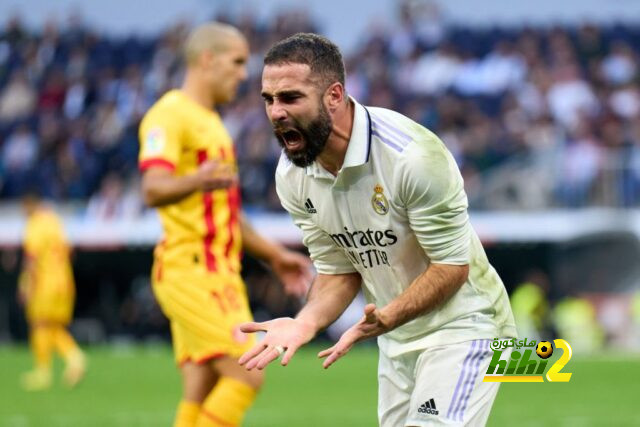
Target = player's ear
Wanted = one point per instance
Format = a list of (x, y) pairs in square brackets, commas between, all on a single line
[(334, 95), (207, 58)]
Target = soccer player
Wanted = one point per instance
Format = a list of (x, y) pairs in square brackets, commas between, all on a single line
[(46, 288), (381, 205), (188, 165)]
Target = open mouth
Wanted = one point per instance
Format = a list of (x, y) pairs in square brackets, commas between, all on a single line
[(292, 139)]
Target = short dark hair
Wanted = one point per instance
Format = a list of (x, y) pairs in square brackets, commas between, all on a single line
[(319, 53)]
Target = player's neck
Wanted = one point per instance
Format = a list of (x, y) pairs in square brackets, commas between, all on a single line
[(332, 157), (195, 90)]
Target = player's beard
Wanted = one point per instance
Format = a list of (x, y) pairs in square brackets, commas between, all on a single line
[(314, 136)]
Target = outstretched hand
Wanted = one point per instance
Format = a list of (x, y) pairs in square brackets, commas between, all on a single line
[(282, 335), (371, 325)]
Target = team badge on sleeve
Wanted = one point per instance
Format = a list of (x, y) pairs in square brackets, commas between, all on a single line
[(155, 141), (379, 201)]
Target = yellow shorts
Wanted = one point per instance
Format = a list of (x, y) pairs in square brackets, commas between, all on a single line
[(205, 310), (50, 307)]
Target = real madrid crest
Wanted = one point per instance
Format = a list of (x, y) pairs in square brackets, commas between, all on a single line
[(379, 201)]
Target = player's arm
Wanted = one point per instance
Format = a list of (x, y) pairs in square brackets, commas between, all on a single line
[(292, 268), (333, 290), (428, 291), (329, 297), (162, 137), (160, 186), (25, 279)]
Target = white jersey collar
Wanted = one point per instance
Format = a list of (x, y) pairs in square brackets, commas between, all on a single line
[(360, 141), (359, 146)]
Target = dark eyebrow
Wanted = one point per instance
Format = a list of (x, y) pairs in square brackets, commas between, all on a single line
[(283, 94)]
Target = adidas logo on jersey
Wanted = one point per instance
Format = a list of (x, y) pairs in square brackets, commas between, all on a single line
[(309, 207), (428, 407)]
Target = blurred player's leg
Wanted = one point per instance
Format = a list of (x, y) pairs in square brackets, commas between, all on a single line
[(187, 414), (205, 311), (197, 382), (232, 395), (74, 358), (41, 343)]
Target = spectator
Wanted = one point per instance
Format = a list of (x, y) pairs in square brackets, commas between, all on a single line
[(493, 96), (17, 98)]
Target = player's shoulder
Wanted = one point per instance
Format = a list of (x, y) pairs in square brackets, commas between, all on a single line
[(45, 220), (51, 216), (171, 104), (382, 116), (401, 137)]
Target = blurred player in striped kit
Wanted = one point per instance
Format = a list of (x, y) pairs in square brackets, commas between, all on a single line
[(189, 174)]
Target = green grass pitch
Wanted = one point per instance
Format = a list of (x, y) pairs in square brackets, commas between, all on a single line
[(139, 386)]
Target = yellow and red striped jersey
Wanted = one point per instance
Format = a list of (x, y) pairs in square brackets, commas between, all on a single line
[(201, 230)]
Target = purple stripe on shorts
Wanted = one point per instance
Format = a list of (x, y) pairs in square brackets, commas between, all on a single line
[(462, 374), (387, 141), (381, 123), (484, 351), (467, 378)]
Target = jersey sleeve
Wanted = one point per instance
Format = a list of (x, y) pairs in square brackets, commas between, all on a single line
[(159, 140), (327, 257), (433, 194)]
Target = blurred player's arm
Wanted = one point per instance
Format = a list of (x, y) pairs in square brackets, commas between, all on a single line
[(292, 268), (161, 187), (329, 297), (25, 279)]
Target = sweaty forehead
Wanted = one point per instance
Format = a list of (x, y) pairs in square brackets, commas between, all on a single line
[(286, 77)]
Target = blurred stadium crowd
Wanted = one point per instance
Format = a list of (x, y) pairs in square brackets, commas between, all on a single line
[(560, 103)]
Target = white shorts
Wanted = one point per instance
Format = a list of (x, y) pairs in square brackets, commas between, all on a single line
[(437, 386)]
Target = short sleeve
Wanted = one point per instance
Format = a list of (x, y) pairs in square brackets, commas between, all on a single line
[(327, 257), (433, 194), (159, 140)]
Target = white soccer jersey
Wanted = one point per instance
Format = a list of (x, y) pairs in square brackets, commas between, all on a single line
[(396, 205)]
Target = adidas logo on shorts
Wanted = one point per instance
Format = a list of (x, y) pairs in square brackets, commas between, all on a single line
[(428, 407)]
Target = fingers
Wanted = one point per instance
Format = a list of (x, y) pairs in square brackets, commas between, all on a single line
[(253, 352), (262, 354), (332, 354), (326, 352), (250, 327), (266, 356), (370, 313), (216, 175), (253, 327), (288, 354)]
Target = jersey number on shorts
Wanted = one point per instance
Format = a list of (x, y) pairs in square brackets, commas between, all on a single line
[(228, 300)]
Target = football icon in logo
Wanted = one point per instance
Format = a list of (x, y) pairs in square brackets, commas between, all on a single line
[(544, 349)]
